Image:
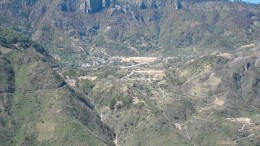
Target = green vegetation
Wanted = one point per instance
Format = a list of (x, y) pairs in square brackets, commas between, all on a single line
[(8, 38), (6, 76), (37, 106), (86, 86)]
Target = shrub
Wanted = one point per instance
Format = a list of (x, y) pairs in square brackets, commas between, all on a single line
[(86, 86), (9, 37)]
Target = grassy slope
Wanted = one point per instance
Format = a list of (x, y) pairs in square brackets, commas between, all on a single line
[(42, 109)]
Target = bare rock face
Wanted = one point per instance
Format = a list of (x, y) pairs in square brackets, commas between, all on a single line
[(142, 4), (92, 6), (146, 3), (106, 3), (83, 6)]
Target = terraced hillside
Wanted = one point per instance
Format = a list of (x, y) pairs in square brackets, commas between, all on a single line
[(211, 100)]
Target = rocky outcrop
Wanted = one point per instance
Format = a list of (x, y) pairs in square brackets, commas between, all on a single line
[(93, 6), (142, 4), (145, 3), (106, 3)]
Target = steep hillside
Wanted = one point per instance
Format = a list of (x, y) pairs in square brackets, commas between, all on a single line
[(36, 106)]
